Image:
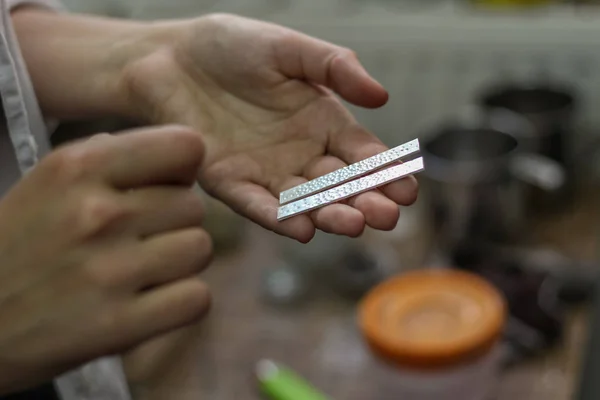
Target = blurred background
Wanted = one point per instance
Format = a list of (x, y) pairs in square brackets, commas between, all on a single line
[(502, 95)]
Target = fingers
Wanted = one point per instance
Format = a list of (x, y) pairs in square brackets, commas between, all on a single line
[(259, 205), (163, 155), (336, 218), (160, 209), (158, 260), (340, 219), (303, 57), (171, 256), (375, 209), (165, 309), (355, 144)]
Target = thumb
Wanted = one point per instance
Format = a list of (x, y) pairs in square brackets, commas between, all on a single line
[(300, 56)]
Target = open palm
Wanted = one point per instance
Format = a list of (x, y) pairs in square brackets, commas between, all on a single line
[(263, 96)]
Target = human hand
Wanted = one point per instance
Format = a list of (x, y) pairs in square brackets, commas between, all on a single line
[(167, 367), (263, 96), (100, 247)]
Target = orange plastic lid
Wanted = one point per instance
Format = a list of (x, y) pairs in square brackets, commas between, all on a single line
[(432, 318)]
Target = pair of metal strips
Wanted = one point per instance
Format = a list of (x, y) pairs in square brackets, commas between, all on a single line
[(350, 181)]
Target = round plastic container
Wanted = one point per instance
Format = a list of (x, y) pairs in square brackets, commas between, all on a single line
[(440, 330)]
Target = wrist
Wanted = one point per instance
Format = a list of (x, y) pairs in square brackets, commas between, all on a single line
[(128, 59), (162, 81), (78, 63)]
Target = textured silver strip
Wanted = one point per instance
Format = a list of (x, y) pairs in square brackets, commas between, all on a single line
[(350, 189), (350, 172)]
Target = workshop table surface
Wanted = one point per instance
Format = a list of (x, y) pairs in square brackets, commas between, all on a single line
[(320, 340)]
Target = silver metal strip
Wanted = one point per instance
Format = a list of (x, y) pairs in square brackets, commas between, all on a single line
[(350, 189), (350, 172)]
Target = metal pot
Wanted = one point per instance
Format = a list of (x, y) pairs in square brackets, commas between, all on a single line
[(549, 109), (476, 179)]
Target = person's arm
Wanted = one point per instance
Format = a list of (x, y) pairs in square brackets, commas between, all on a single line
[(77, 62)]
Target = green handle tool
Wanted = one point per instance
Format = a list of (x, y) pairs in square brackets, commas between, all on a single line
[(279, 383)]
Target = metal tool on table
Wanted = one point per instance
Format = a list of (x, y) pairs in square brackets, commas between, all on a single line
[(350, 181)]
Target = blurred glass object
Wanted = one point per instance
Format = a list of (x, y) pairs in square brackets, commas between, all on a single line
[(440, 330), (407, 245), (345, 266), (315, 254), (355, 271), (284, 285)]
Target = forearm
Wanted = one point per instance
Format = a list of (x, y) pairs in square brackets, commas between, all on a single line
[(76, 62)]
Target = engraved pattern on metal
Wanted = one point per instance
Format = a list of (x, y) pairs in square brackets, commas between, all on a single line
[(350, 189), (350, 172)]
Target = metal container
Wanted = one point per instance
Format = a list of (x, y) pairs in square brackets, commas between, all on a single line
[(476, 179), (549, 109)]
